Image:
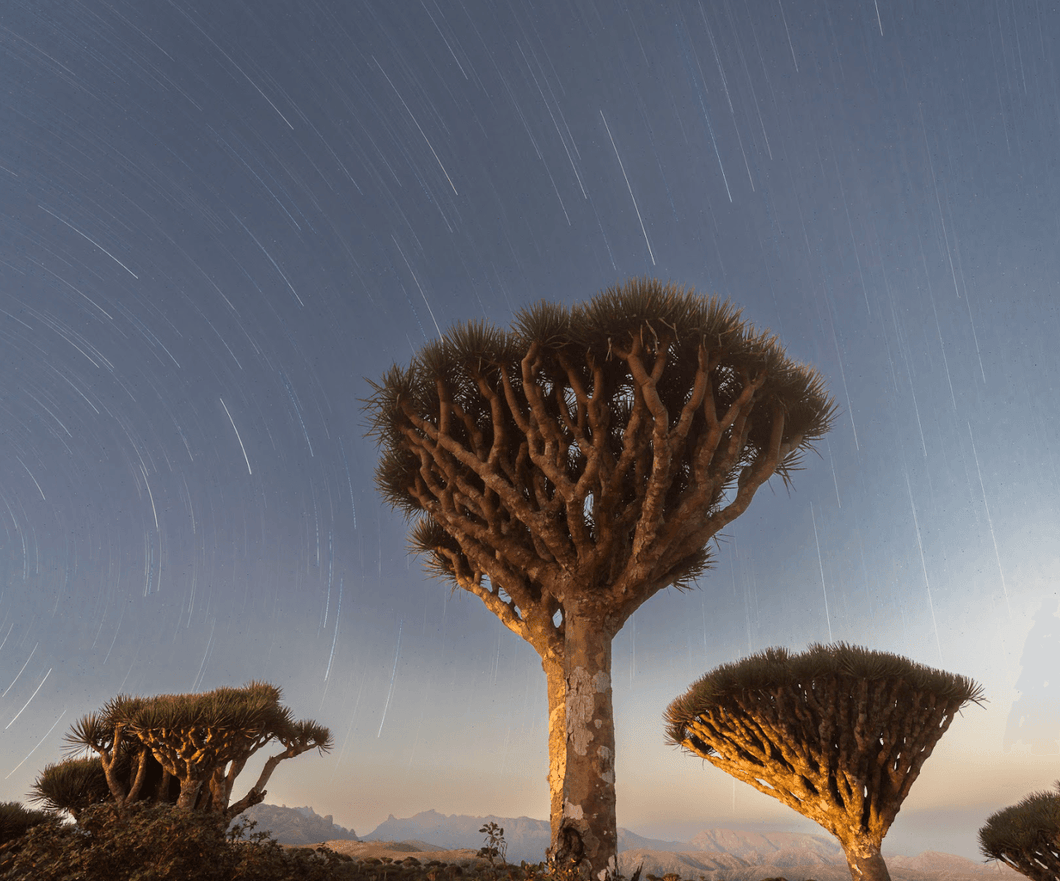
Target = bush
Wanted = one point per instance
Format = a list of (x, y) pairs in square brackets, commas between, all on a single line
[(155, 842), (15, 822)]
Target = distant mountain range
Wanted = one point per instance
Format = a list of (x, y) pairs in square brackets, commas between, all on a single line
[(296, 825), (712, 855), (527, 839)]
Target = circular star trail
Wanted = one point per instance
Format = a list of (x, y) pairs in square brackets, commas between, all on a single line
[(218, 221)]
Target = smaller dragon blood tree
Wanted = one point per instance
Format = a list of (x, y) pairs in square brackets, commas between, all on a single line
[(838, 733), (1026, 836), (183, 749)]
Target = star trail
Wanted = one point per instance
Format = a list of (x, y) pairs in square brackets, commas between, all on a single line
[(218, 221)]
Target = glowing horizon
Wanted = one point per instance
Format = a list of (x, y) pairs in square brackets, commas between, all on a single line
[(219, 221)]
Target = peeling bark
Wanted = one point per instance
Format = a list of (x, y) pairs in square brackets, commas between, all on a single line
[(557, 740), (865, 861), (588, 835)]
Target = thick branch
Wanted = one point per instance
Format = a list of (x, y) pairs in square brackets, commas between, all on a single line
[(546, 441), (663, 454), (257, 791), (487, 547), (109, 760), (751, 478), (141, 775), (516, 504), (472, 583)]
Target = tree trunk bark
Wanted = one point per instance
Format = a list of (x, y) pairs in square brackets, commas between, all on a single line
[(557, 740), (865, 861), (588, 834), (162, 792), (189, 793), (110, 771), (138, 780)]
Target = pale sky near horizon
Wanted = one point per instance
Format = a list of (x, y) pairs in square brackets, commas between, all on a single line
[(216, 220)]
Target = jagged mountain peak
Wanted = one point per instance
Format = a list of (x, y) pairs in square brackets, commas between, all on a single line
[(296, 825)]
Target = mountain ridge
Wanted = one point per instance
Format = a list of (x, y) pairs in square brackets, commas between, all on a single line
[(716, 854), (296, 825)]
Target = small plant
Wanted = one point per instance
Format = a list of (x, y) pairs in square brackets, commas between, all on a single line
[(496, 848)]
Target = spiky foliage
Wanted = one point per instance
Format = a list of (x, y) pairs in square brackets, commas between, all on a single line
[(15, 822), (602, 445), (839, 733), (183, 748), (73, 785), (566, 470), (78, 782), (1026, 836)]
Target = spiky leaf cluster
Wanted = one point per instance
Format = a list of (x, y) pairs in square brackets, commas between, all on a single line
[(839, 733), (73, 785), (779, 668), (212, 727), (603, 444), (1026, 836)]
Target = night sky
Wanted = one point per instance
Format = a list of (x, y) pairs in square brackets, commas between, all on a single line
[(218, 220)]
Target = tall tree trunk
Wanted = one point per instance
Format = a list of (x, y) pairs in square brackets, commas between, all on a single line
[(865, 861), (588, 833), (557, 740)]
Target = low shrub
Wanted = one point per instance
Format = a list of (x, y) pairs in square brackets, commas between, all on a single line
[(156, 842), (15, 822), (160, 842)]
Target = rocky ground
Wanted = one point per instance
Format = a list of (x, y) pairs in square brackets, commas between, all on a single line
[(400, 850)]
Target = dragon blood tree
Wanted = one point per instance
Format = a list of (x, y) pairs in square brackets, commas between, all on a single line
[(566, 470), (838, 733), (1026, 836), (183, 749)]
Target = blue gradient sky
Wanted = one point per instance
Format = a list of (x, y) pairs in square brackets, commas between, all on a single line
[(217, 219)]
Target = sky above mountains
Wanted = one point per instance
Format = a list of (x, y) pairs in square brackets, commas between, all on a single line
[(217, 220)]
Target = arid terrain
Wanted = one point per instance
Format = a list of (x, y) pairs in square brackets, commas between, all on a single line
[(400, 850), (697, 866), (715, 854)]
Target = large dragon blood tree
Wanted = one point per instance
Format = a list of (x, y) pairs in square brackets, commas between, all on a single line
[(838, 733), (566, 470)]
